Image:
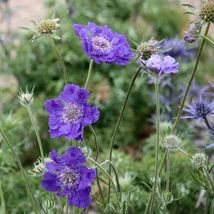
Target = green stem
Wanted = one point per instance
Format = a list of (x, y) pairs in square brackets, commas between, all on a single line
[(157, 141), (191, 79), (118, 123), (167, 171), (89, 73), (36, 131), (96, 157), (62, 64), (159, 171), (95, 142), (208, 39), (209, 178), (66, 208), (107, 174), (26, 179), (207, 203), (3, 206)]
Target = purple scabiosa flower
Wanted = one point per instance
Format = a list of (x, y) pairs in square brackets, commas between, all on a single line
[(67, 175), (103, 45), (176, 48), (199, 109), (70, 113), (162, 65)]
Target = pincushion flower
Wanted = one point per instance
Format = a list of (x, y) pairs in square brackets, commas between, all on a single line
[(70, 113), (102, 45), (67, 175), (161, 65), (199, 109)]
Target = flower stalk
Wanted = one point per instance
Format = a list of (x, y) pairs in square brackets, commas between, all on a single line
[(157, 141), (36, 131), (89, 73), (35, 204), (118, 124), (62, 64), (177, 120)]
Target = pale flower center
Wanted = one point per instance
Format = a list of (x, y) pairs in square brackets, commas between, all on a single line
[(101, 44), (68, 178), (71, 114)]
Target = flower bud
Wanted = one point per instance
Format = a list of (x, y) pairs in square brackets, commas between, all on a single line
[(146, 49), (199, 160), (171, 142), (193, 33)]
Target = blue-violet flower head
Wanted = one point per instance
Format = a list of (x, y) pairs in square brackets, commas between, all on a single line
[(176, 48), (67, 176), (70, 113), (162, 65), (200, 108), (101, 44)]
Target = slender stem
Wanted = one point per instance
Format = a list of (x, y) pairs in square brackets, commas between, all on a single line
[(107, 174), (207, 203), (95, 142), (208, 39), (3, 206), (157, 141), (62, 64), (26, 179), (185, 154), (89, 73), (207, 123), (96, 157), (66, 207), (209, 178), (191, 79), (159, 171), (118, 123), (167, 171), (36, 131)]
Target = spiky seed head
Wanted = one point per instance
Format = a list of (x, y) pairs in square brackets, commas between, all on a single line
[(146, 49), (199, 160), (25, 98), (171, 142), (48, 26), (207, 11)]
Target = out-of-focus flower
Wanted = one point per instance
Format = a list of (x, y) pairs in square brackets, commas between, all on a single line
[(193, 32), (200, 108), (67, 175), (162, 65), (176, 48), (199, 160), (102, 45), (207, 11), (70, 113), (146, 49), (171, 142)]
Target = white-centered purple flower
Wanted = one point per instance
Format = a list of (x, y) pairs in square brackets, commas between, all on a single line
[(102, 45), (200, 108), (70, 113), (67, 176), (162, 65)]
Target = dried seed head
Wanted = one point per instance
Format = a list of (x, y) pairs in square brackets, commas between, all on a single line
[(48, 26), (207, 11), (171, 142), (25, 98), (146, 49), (199, 160)]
